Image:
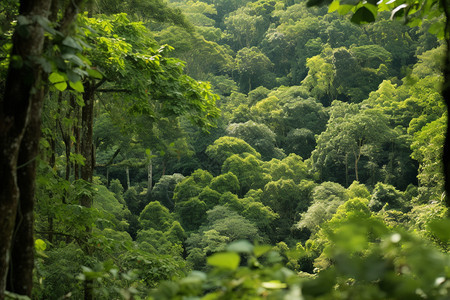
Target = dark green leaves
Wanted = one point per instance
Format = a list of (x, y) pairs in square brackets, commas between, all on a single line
[(363, 15), (311, 3)]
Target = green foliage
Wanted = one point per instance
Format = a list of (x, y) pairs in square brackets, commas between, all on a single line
[(225, 183), (105, 201), (254, 67), (192, 185), (164, 189), (349, 241), (248, 170), (259, 136), (427, 150), (225, 147), (191, 213), (388, 197), (155, 216)]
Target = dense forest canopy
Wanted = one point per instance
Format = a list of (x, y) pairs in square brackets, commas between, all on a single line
[(224, 149)]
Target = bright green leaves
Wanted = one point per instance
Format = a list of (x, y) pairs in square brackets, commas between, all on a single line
[(226, 260), (77, 86), (40, 245), (155, 84), (58, 80)]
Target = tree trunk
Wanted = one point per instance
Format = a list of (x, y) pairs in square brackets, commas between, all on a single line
[(20, 275), (446, 96), (16, 107), (149, 175), (346, 169), (127, 173), (87, 122), (86, 149)]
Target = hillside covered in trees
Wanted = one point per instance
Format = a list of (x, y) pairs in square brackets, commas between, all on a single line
[(221, 149)]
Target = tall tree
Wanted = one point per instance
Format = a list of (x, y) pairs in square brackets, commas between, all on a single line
[(20, 118)]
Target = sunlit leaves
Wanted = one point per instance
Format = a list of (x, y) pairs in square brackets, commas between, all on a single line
[(227, 260)]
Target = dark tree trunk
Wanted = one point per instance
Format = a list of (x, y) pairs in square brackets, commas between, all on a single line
[(18, 104), (20, 277), (87, 170), (77, 134), (87, 122)]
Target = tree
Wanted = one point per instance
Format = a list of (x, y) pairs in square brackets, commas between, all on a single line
[(259, 136), (350, 136), (225, 183), (225, 147), (164, 189), (20, 119), (248, 170), (254, 68), (155, 216)]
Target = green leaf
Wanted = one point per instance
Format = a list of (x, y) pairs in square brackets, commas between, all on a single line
[(74, 59), (441, 229), (58, 80), (77, 86), (56, 77), (373, 9), (311, 3), (333, 6), (261, 250), (72, 76), (241, 246), (45, 64), (40, 245), (363, 15), (274, 285), (350, 2), (62, 86), (225, 260), (70, 42), (94, 73), (344, 9)]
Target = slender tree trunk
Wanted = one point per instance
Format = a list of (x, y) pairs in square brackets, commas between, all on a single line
[(149, 175), (16, 107), (127, 173), (346, 169), (357, 158), (20, 277), (86, 147), (164, 167), (87, 121), (446, 96), (77, 133), (52, 165)]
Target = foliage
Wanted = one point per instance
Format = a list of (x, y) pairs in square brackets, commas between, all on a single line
[(332, 183)]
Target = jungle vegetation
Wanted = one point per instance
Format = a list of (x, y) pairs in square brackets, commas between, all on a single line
[(224, 149)]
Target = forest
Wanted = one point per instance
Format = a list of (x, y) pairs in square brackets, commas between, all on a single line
[(224, 149)]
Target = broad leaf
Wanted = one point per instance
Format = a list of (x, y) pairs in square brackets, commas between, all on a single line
[(225, 260)]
